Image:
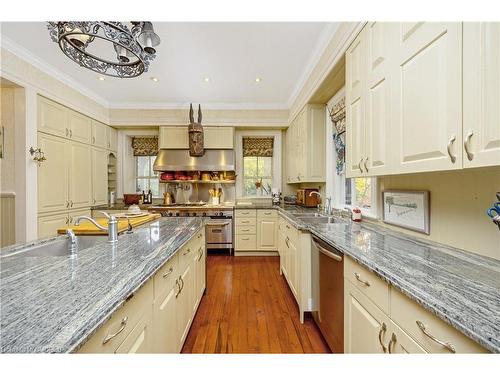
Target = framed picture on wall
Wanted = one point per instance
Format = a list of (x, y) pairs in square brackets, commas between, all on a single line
[(406, 209)]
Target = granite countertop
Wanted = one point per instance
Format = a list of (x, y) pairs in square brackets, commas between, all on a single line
[(460, 287), (54, 304)]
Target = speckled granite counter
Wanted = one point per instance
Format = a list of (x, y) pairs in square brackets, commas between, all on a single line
[(460, 287), (54, 304)]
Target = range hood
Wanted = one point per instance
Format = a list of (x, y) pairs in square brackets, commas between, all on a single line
[(179, 160)]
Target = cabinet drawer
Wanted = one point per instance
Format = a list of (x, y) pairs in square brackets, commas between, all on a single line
[(267, 213), (121, 323), (291, 232), (406, 313), (185, 254), (245, 213), (245, 229), (246, 221), (164, 279), (245, 242), (370, 284)]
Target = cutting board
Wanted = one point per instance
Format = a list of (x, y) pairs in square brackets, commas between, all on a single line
[(87, 228)]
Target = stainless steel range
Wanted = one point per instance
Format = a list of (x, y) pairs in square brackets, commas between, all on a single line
[(219, 229)]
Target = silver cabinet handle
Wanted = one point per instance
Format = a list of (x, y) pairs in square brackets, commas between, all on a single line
[(245, 222), (366, 168), (71, 203), (187, 251), (67, 220), (182, 283), (381, 332), (447, 345), (470, 155), (170, 270), (329, 254), (67, 204), (67, 132), (93, 139), (200, 251), (245, 230), (452, 140), (356, 275), (359, 165), (70, 133), (245, 239), (179, 286), (113, 335), (71, 219), (392, 343), (286, 242)]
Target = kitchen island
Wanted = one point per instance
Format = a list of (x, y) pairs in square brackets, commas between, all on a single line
[(53, 304)]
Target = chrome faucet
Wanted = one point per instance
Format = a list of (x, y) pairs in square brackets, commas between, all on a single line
[(71, 236), (112, 228), (328, 206)]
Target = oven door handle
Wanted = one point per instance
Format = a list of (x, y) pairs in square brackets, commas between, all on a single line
[(329, 254), (218, 224)]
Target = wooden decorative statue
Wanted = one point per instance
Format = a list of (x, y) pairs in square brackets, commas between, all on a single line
[(196, 147)]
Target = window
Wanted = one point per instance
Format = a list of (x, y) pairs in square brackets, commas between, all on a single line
[(358, 192), (257, 175), (146, 178)]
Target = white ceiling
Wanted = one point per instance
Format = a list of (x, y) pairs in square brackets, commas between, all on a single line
[(232, 55)]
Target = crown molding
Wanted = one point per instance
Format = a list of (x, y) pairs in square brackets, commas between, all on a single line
[(26, 55), (313, 60), (212, 106)]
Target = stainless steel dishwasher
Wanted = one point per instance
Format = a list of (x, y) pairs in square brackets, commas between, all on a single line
[(328, 293)]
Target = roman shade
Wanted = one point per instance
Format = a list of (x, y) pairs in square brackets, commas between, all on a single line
[(258, 146), (145, 146)]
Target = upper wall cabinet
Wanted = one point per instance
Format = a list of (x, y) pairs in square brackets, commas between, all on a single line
[(112, 139), (306, 145), (99, 134), (80, 128), (404, 85), (428, 104), (215, 137), (481, 94), (52, 117)]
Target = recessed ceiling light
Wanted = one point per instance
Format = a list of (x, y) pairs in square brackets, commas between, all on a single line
[(258, 79), (101, 78), (206, 79), (154, 79)]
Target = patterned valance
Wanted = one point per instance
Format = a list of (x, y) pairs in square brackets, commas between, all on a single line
[(145, 146), (258, 146), (337, 115)]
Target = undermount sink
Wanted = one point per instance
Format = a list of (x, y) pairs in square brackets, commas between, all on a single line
[(318, 219), (308, 215), (57, 248)]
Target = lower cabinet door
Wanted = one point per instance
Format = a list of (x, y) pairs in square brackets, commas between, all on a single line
[(292, 269), (185, 301), (199, 266), (366, 327), (139, 340), (401, 343), (165, 315), (267, 234)]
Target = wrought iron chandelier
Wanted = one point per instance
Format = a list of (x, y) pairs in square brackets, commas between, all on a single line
[(129, 50)]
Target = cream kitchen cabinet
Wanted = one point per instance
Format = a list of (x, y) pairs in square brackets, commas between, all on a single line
[(267, 230), (215, 137), (111, 139), (52, 117), (481, 127), (380, 319), (157, 318), (256, 232), (64, 179), (139, 340), (306, 145), (53, 174), (365, 325), (428, 135), (80, 127), (99, 134), (295, 262), (99, 176), (219, 137)]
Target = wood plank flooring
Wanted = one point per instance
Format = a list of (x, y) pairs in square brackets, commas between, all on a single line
[(248, 308)]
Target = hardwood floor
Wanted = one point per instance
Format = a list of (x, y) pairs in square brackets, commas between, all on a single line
[(248, 308)]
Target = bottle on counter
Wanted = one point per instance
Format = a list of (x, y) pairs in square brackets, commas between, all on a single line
[(150, 197)]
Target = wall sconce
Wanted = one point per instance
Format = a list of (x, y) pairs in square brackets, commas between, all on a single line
[(37, 155)]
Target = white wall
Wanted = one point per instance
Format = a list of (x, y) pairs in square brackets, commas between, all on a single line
[(277, 153), (7, 120)]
